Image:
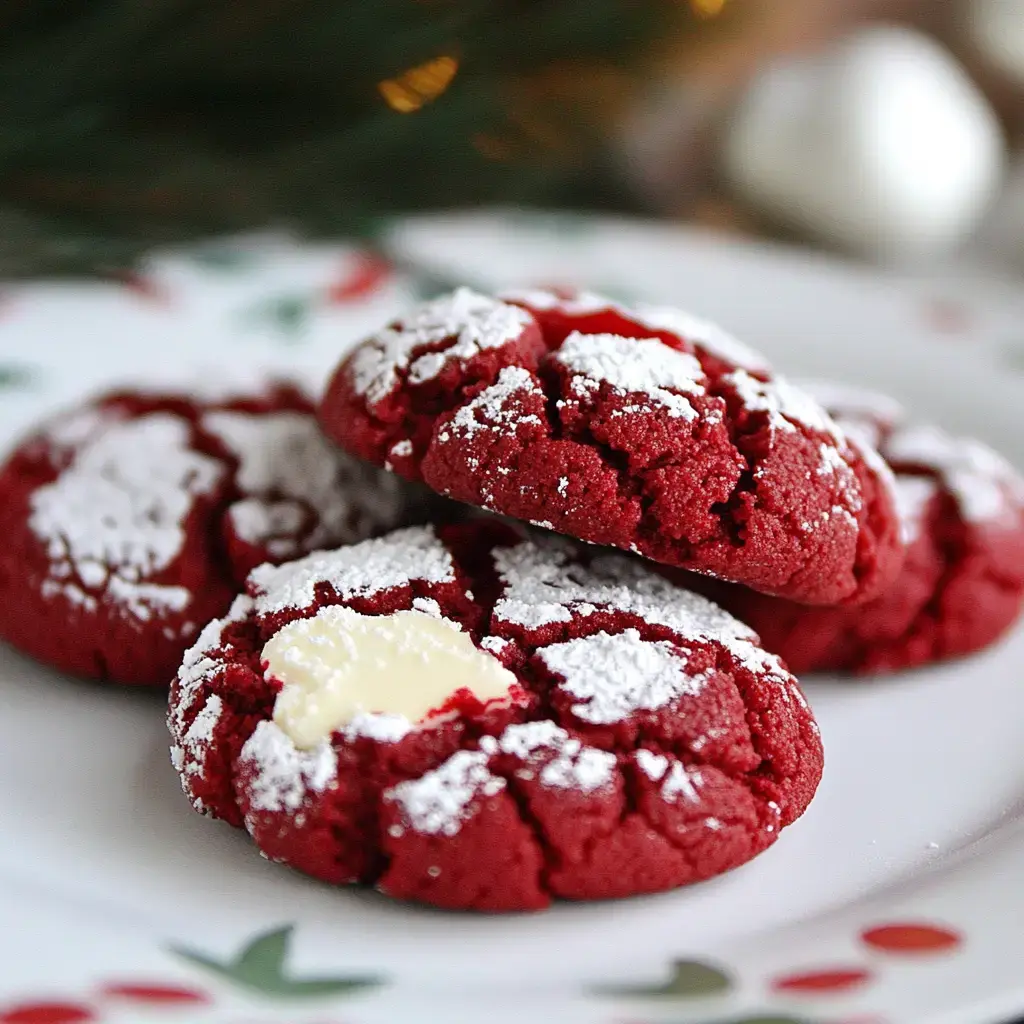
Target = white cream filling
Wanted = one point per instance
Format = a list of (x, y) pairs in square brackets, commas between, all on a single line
[(339, 664)]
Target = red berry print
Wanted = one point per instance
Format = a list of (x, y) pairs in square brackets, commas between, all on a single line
[(47, 1013), (154, 995), (822, 982), (368, 275), (912, 938)]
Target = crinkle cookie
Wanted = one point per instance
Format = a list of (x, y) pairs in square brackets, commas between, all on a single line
[(467, 717), (129, 522), (962, 585), (643, 429)]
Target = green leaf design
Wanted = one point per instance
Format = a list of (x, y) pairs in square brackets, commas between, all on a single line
[(288, 313), (261, 967), (264, 957), (690, 979), (13, 376), (222, 257)]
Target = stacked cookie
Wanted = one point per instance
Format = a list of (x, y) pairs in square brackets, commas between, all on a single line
[(395, 661), (960, 587)]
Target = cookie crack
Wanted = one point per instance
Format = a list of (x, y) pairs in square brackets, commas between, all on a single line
[(538, 836), (724, 663), (475, 563), (743, 443), (551, 387), (627, 487), (953, 548)]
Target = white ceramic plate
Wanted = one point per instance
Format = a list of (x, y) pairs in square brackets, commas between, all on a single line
[(896, 898)]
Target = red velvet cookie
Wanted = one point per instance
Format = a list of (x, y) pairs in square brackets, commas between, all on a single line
[(962, 585), (640, 428), (129, 522), (467, 717)]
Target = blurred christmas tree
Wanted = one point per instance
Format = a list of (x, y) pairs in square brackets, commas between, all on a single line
[(130, 123)]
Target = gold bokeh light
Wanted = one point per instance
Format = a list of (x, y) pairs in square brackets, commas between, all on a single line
[(418, 86)]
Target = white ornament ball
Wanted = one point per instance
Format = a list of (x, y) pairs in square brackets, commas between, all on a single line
[(996, 29), (882, 146)]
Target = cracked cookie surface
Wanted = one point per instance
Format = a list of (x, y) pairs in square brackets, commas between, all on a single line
[(642, 429), (128, 522), (647, 741), (962, 586)]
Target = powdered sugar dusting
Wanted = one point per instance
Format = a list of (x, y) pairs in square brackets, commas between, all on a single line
[(470, 321), (831, 461), (69, 592), (198, 667), (65, 433), (847, 486), (429, 606), (675, 778), (864, 417), (701, 333), (494, 406), (399, 450), (543, 585), (439, 802), (270, 524), (525, 739), (654, 766), (381, 728), (494, 644), (370, 567), (614, 676), (199, 663), (579, 768), (282, 776), (785, 404), (913, 495), (142, 599), (292, 475), (986, 487), (563, 762), (645, 366), (863, 443), (200, 733), (115, 517), (681, 783)]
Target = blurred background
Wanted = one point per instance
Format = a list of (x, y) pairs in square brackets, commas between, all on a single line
[(891, 131)]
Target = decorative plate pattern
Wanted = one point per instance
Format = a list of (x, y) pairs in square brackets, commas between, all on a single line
[(896, 899)]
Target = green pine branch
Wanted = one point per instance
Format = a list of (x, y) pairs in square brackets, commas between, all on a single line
[(128, 125)]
